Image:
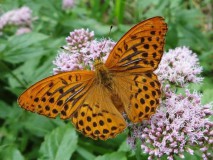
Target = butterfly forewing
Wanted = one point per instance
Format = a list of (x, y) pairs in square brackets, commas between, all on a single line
[(58, 94), (140, 49), (133, 60)]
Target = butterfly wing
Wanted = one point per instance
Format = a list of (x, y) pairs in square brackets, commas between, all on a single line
[(98, 117), (140, 49), (140, 94), (58, 94), (76, 96), (98, 122), (145, 95), (132, 62)]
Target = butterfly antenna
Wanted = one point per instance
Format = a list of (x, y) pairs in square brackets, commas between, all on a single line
[(106, 41), (64, 48)]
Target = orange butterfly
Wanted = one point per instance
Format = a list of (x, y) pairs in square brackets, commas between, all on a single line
[(95, 100)]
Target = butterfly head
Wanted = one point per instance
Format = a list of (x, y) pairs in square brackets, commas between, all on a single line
[(98, 64)]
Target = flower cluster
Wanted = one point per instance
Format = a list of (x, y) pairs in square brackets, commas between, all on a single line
[(78, 39), (68, 4), (179, 66), (179, 124), (21, 17), (80, 51)]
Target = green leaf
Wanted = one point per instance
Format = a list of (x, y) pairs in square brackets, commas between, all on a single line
[(4, 109), (207, 95), (25, 40), (139, 152), (124, 147), (38, 125), (10, 153), (59, 144), (85, 153), (172, 36), (23, 47), (113, 156), (30, 72)]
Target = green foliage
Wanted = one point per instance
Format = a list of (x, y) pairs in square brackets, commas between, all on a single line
[(27, 58), (113, 156), (59, 144), (13, 51)]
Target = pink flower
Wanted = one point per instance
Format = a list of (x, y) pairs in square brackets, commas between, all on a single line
[(68, 4), (180, 122), (97, 49), (78, 39), (81, 50), (179, 66), (17, 17), (67, 62)]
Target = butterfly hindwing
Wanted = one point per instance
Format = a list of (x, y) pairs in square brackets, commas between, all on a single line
[(97, 125), (60, 94), (140, 49), (97, 117), (140, 94), (145, 95)]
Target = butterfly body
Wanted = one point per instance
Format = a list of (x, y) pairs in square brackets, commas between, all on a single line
[(105, 79), (95, 101), (103, 75)]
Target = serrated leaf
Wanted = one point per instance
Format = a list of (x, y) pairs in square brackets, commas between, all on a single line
[(59, 144)]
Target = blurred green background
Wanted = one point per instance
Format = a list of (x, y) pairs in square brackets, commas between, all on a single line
[(27, 58)]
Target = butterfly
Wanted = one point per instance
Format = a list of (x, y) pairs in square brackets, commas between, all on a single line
[(97, 101)]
